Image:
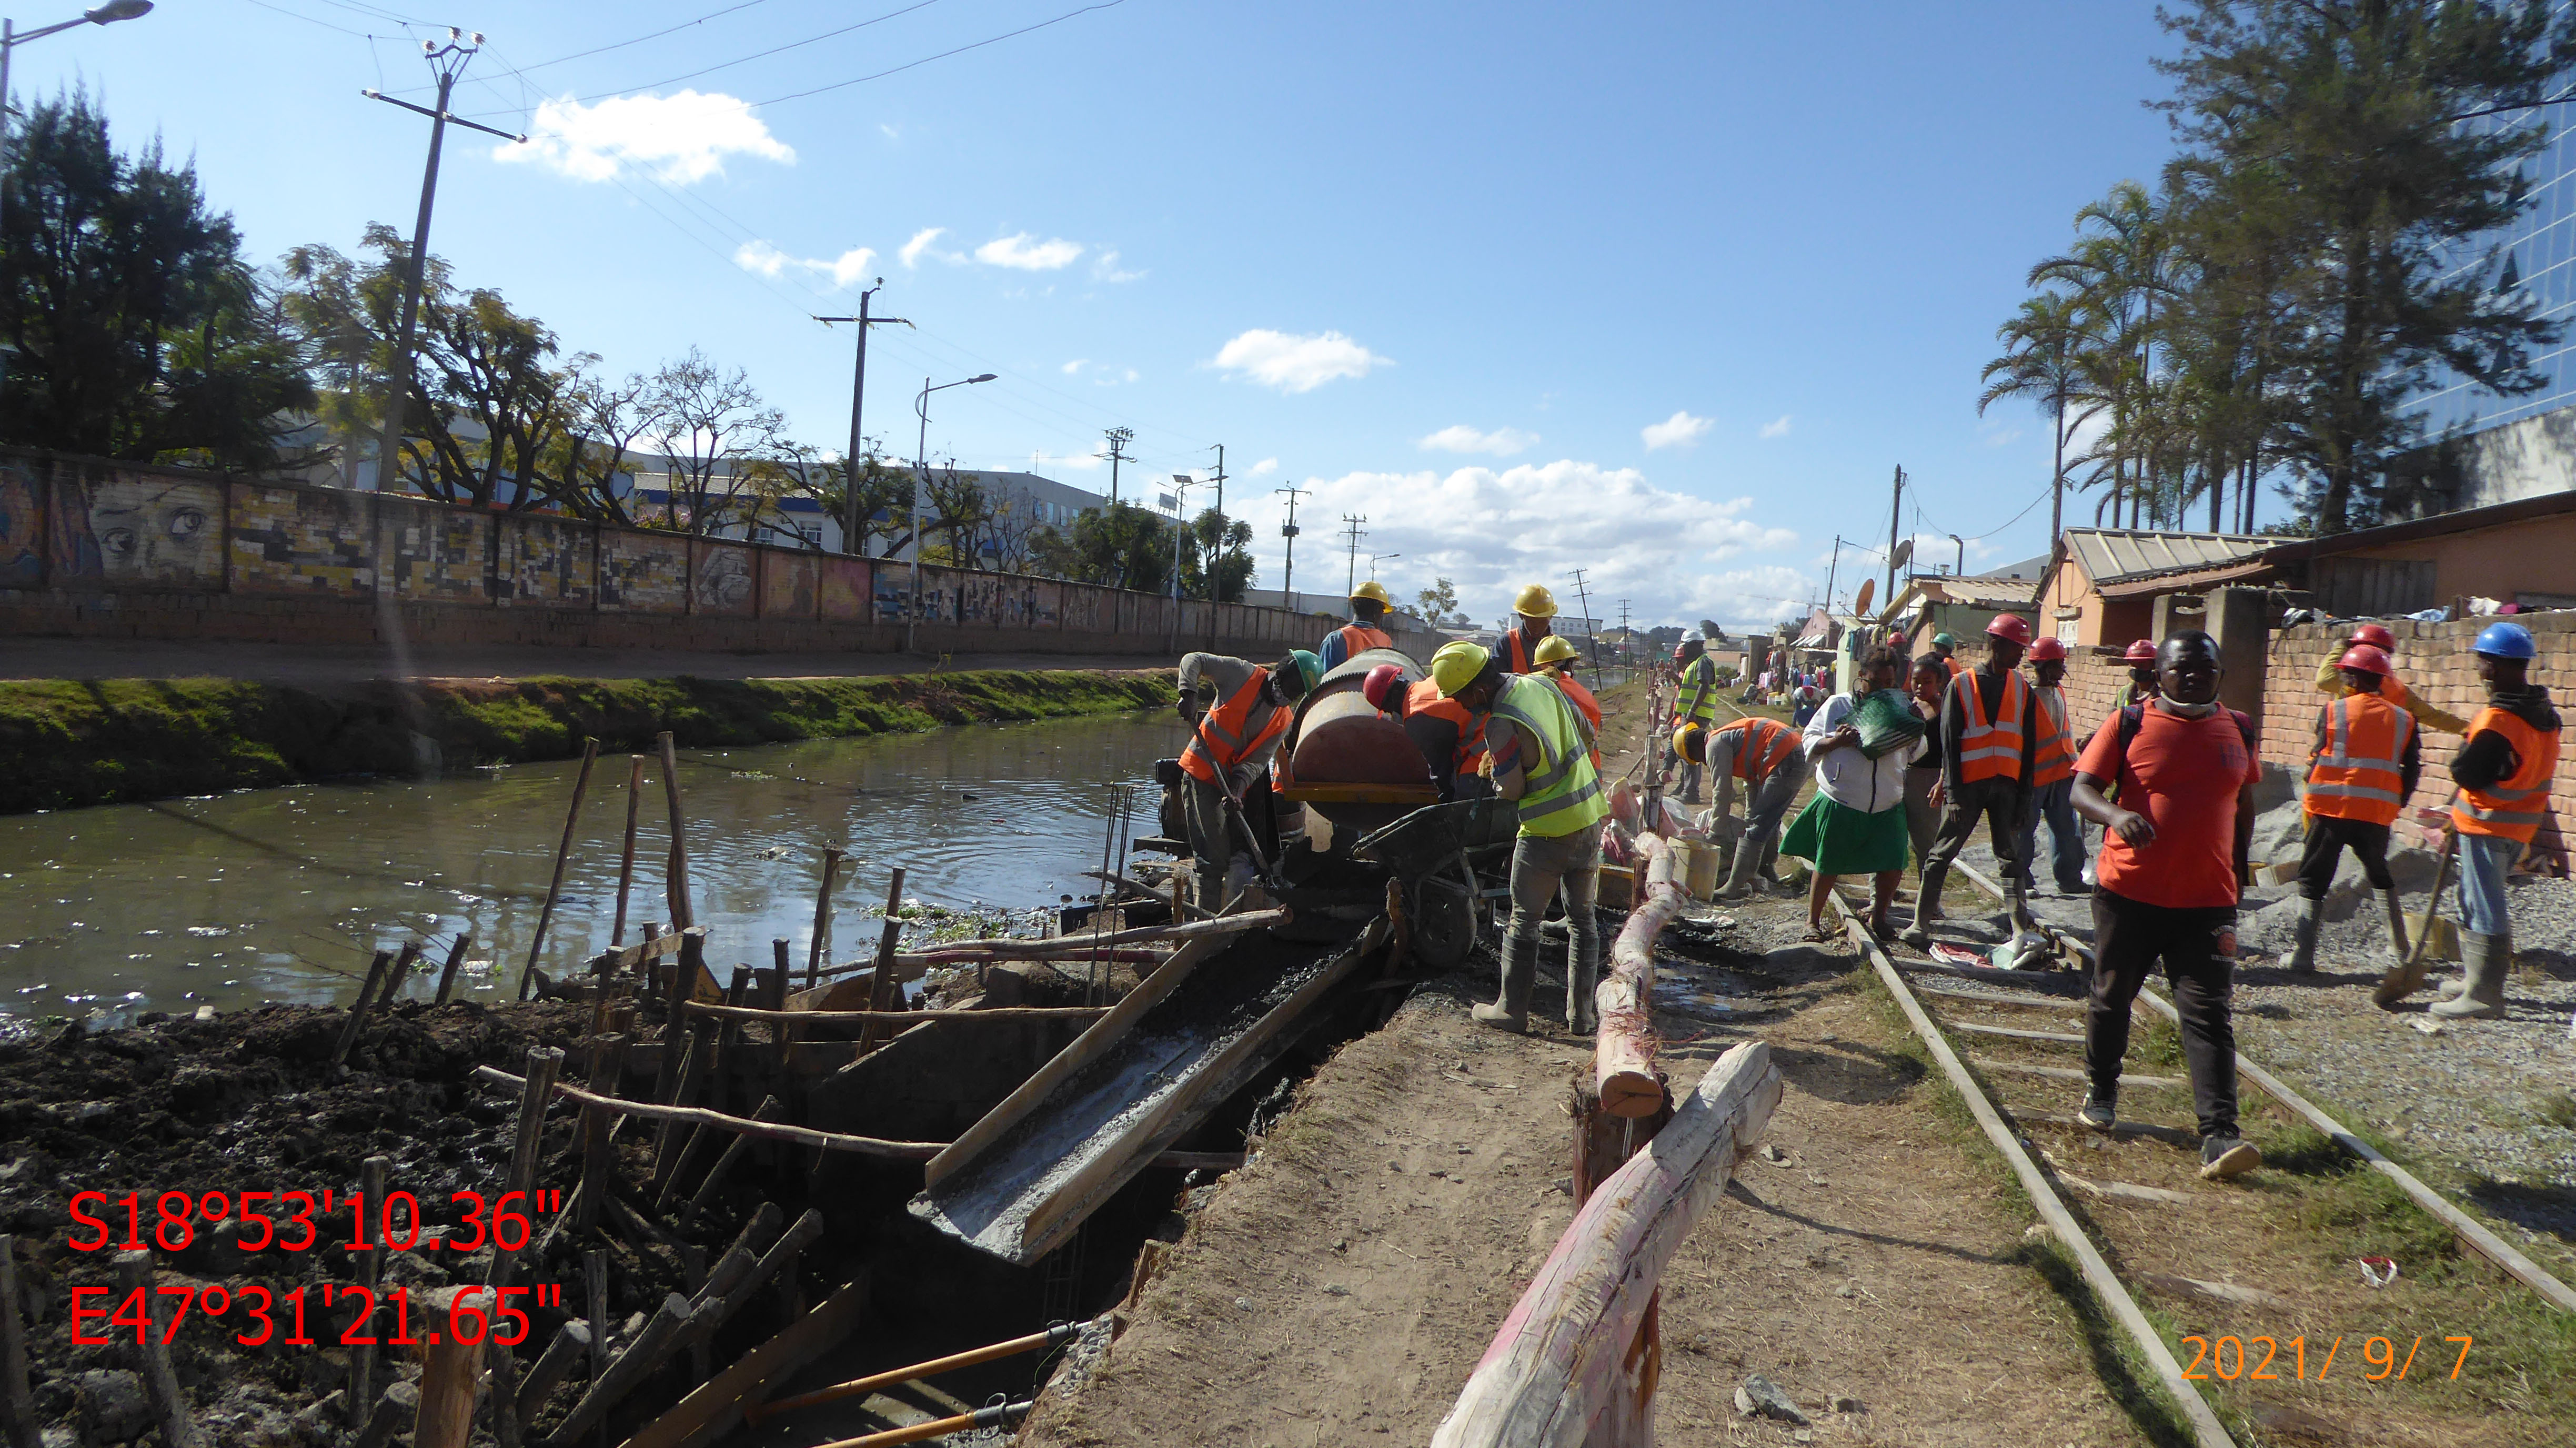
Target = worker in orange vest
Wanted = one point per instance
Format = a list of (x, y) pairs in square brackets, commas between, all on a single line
[(1989, 744), (1946, 645), (2330, 682), (2052, 775), (1519, 648), (2364, 762), (1452, 742), (1369, 604), (1766, 756), (1557, 658), (1231, 743), (2503, 772)]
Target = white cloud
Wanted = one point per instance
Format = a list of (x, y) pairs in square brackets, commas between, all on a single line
[(1492, 529), (759, 256), (889, 132), (1074, 367), (1502, 442), (1266, 465), (1102, 374), (1679, 430), (676, 138), (1294, 363), (1024, 253), (914, 249), (1778, 427), (1104, 268)]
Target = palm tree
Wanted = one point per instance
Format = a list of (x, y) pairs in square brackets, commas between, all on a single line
[(2045, 360), (2122, 269)]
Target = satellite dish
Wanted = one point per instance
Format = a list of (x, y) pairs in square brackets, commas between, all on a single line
[(1903, 551), (1868, 590)]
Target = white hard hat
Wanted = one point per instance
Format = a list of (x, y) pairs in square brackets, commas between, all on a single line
[(1693, 637)]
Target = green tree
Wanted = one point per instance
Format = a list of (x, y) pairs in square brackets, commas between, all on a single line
[(138, 330), (1232, 562), (1440, 604), (1122, 546), (2046, 360)]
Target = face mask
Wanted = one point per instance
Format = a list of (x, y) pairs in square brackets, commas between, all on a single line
[(2187, 711)]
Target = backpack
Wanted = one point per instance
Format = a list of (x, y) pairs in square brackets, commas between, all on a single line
[(2132, 718)]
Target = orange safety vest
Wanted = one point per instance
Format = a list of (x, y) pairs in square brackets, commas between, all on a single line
[(1359, 638), (2513, 806), (1765, 743), (1991, 748), (1227, 735), (2358, 773), (1952, 663), (1424, 698), (2056, 745), (1585, 705), (1516, 654)]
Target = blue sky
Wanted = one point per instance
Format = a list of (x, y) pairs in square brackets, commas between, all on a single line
[(1664, 292)]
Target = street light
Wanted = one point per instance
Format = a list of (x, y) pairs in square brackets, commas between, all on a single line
[(1960, 568), (1373, 558), (107, 14), (1181, 485), (920, 483)]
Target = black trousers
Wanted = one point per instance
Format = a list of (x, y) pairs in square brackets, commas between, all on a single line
[(2197, 948), (1998, 802), (2327, 839)]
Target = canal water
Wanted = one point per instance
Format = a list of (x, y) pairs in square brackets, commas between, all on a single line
[(284, 894)]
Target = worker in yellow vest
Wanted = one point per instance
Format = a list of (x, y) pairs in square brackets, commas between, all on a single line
[(2362, 766), (2052, 775), (2503, 772), (1539, 753), (1369, 604), (1694, 702), (1989, 743), (1534, 607), (2330, 682)]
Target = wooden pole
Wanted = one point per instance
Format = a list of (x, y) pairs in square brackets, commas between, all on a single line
[(17, 1407), (782, 1036), (358, 1008), (1561, 1362), (447, 973), (695, 1059), (684, 979), (371, 1267), (1068, 946), (879, 986), (1624, 1042), (534, 1093), (614, 1381), (729, 1039), (821, 945), (676, 879), (570, 1345), (597, 1113), (736, 1147), (563, 853), (594, 1276), (152, 1356), (446, 1414), (626, 859), (1062, 1332)]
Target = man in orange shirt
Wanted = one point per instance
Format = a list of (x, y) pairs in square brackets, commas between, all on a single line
[(2172, 867)]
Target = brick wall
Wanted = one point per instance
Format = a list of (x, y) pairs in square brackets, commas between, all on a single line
[(98, 549)]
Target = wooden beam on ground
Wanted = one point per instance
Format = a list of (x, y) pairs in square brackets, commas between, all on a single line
[(1987, 998), (1624, 1041), (1560, 1362), (853, 1018), (2017, 1033), (2070, 1073), (2126, 1191), (715, 1409), (1063, 946), (2206, 1430)]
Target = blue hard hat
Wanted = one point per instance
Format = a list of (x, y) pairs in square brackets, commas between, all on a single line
[(2506, 641)]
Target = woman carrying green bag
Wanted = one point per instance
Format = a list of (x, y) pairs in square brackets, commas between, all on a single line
[(1859, 744)]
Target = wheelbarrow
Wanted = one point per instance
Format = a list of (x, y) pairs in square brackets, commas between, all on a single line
[(1450, 859)]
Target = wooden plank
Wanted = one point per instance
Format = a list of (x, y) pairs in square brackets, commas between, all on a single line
[(2070, 1073), (2127, 1191), (641, 951), (2041, 1003), (714, 1409), (2017, 1033)]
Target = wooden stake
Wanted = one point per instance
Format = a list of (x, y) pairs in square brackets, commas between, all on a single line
[(570, 1345), (626, 860), (668, 1138), (821, 945), (534, 1093), (371, 1267), (447, 974), (676, 878), (880, 986), (650, 1349), (160, 1384), (735, 1147), (782, 1037), (446, 1414), (17, 1408), (597, 1112), (358, 1007), (563, 853), (594, 1276), (684, 979), (728, 1069)]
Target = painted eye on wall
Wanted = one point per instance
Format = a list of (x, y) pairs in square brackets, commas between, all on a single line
[(186, 523), (119, 541)]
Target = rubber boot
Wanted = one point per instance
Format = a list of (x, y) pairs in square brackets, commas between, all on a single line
[(2484, 960), (1927, 907), (2397, 943), (1582, 1016), (1511, 1013), (2303, 955), (1748, 864)]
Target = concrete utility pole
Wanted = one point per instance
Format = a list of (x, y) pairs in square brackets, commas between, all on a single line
[(1352, 530), (1895, 511), (1216, 551), (448, 62), (1118, 437), (1591, 635), (1288, 530), (1834, 568), (850, 519)]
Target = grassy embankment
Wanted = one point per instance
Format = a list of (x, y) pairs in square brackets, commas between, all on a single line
[(64, 744)]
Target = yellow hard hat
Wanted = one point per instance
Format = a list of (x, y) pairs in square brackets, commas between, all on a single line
[(1691, 743), (1372, 591), (1457, 665), (1535, 602), (1555, 647)]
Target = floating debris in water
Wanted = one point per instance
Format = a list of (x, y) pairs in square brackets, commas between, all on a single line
[(210, 930), (774, 852)]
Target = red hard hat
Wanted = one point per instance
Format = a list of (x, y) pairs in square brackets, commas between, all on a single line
[(2369, 658), (2141, 652), (1385, 687), (2011, 626), (2046, 649), (2377, 636)]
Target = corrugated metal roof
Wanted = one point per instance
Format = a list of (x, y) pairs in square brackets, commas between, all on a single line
[(2113, 554)]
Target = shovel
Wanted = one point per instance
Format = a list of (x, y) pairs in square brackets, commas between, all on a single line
[(2406, 978)]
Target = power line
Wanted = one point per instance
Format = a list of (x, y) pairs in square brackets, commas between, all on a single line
[(639, 40), (310, 20), (776, 50), (943, 55)]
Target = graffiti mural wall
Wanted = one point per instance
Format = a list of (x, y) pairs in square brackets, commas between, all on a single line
[(302, 540), (436, 553), (721, 580), (543, 562), (643, 572), (845, 587)]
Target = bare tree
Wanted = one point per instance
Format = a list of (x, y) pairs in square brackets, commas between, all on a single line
[(713, 426)]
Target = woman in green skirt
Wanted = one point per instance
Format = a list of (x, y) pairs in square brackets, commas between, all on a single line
[(1856, 823)]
